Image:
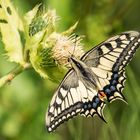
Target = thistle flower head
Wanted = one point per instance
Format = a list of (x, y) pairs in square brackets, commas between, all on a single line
[(64, 47)]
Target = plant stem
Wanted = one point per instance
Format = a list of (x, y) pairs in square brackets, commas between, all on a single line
[(13, 73)]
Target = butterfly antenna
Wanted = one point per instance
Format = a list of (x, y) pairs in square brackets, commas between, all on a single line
[(75, 40), (75, 44)]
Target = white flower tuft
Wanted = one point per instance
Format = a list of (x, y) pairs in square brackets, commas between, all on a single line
[(65, 47)]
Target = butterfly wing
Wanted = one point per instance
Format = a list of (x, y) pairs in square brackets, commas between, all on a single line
[(109, 59), (71, 98)]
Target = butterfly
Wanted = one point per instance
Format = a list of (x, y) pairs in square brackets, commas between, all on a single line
[(98, 76)]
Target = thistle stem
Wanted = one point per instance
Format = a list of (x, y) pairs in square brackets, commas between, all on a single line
[(13, 73)]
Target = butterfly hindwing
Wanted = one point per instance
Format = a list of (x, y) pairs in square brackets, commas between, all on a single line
[(73, 97), (109, 59)]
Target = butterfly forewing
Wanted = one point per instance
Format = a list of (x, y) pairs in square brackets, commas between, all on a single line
[(109, 59)]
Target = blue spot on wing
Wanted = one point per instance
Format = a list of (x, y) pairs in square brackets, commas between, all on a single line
[(97, 100), (107, 91), (115, 76), (85, 106), (94, 104), (112, 88), (114, 82), (89, 105)]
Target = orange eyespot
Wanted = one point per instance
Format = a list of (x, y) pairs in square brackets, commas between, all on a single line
[(102, 95)]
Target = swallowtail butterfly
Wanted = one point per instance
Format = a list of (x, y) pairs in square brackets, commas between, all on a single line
[(97, 76)]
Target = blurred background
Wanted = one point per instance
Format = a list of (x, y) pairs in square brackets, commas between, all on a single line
[(23, 103)]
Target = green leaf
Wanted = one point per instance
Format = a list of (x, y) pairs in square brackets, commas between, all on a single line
[(10, 25)]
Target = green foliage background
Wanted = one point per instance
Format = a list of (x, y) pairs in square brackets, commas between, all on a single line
[(23, 102)]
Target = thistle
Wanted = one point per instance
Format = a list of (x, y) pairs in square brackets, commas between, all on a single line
[(49, 50), (45, 49)]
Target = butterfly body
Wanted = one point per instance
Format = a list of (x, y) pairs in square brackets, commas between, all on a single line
[(84, 72), (97, 76)]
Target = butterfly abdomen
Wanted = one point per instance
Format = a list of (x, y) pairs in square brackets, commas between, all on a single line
[(83, 71)]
